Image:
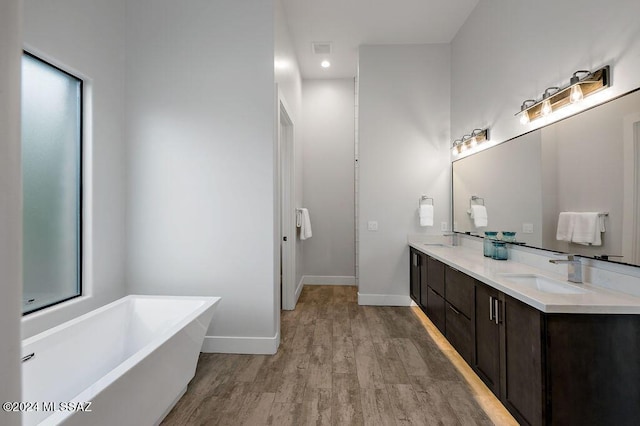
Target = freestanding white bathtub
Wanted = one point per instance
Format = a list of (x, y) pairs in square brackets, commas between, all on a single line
[(131, 360)]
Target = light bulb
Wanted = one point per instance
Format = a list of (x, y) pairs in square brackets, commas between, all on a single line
[(325, 64), (576, 94), (454, 151), (473, 142), (463, 147), (524, 117), (546, 108)]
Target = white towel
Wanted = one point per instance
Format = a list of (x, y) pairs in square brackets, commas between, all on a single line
[(305, 225), (587, 229), (479, 215), (566, 221), (426, 214)]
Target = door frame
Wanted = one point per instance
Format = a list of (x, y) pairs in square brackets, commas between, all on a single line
[(286, 203), (631, 200)]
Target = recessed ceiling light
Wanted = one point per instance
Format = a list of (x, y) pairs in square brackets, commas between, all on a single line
[(325, 64)]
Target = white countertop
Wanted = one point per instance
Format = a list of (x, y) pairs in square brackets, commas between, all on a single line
[(596, 300)]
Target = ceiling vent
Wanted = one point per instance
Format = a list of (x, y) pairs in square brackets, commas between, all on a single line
[(321, 47)]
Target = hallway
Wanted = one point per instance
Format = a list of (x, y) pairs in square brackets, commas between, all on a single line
[(339, 363)]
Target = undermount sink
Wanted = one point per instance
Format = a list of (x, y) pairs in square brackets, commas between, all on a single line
[(543, 284), (434, 244)]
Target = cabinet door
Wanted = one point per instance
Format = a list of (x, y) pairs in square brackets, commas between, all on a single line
[(522, 374), (486, 360), (436, 309), (459, 290), (414, 276), (458, 332), (435, 275), (424, 280)]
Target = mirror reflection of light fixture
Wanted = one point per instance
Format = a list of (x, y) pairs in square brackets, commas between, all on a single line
[(524, 114), (546, 102), (470, 141), (555, 98)]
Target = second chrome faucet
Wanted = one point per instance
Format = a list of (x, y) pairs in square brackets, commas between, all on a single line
[(574, 268)]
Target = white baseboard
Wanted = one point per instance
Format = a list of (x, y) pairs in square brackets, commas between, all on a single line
[(383, 299), (241, 345), (328, 280)]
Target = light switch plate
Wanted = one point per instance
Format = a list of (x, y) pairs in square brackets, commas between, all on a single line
[(527, 228), (443, 226), (372, 225)]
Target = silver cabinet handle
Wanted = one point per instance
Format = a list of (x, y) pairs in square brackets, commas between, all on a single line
[(497, 309), (454, 309), (490, 308)]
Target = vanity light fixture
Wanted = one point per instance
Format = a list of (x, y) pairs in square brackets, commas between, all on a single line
[(546, 102), (582, 84), (469, 141)]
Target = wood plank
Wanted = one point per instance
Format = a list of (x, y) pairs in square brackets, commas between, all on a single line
[(323, 332), (343, 355), (406, 407), (408, 353), (367, 366), (292, 387), (392, 367), (376, 407), (285, 414), (346, 405), (316, 407), (320, 368), (255, 409)]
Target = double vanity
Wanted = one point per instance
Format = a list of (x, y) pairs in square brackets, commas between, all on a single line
[(552, 351)]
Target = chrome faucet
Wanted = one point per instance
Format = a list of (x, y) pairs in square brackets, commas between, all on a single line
[(574, 268), (454, 238)]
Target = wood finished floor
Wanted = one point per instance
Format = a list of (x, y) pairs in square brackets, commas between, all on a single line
[(340, 364)]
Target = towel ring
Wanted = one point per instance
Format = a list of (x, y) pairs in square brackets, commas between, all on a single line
[(476, 199), (424, 198)]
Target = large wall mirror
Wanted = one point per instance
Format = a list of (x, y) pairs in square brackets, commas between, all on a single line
[(589, 162)]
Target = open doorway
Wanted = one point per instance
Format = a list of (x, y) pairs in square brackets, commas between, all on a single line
[(287, 207)]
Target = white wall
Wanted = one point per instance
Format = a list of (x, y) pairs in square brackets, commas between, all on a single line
[(403, 153), (287, 76), (88, 38), (328, 126), (509, 51), (10, 206), (201, 114)]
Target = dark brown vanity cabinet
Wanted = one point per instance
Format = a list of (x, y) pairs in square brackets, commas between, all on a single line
[(547, 369)]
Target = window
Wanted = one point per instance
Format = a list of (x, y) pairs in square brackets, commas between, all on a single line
[(51, 184)]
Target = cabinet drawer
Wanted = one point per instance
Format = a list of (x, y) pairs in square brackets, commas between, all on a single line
[(436, 309), (459, 291), (435, 275), (458, 333)]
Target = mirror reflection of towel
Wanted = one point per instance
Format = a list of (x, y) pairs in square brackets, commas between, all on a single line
[(479, 215), (584, 228)]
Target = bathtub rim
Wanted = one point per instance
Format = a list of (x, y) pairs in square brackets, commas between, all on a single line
[(97, 311)]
